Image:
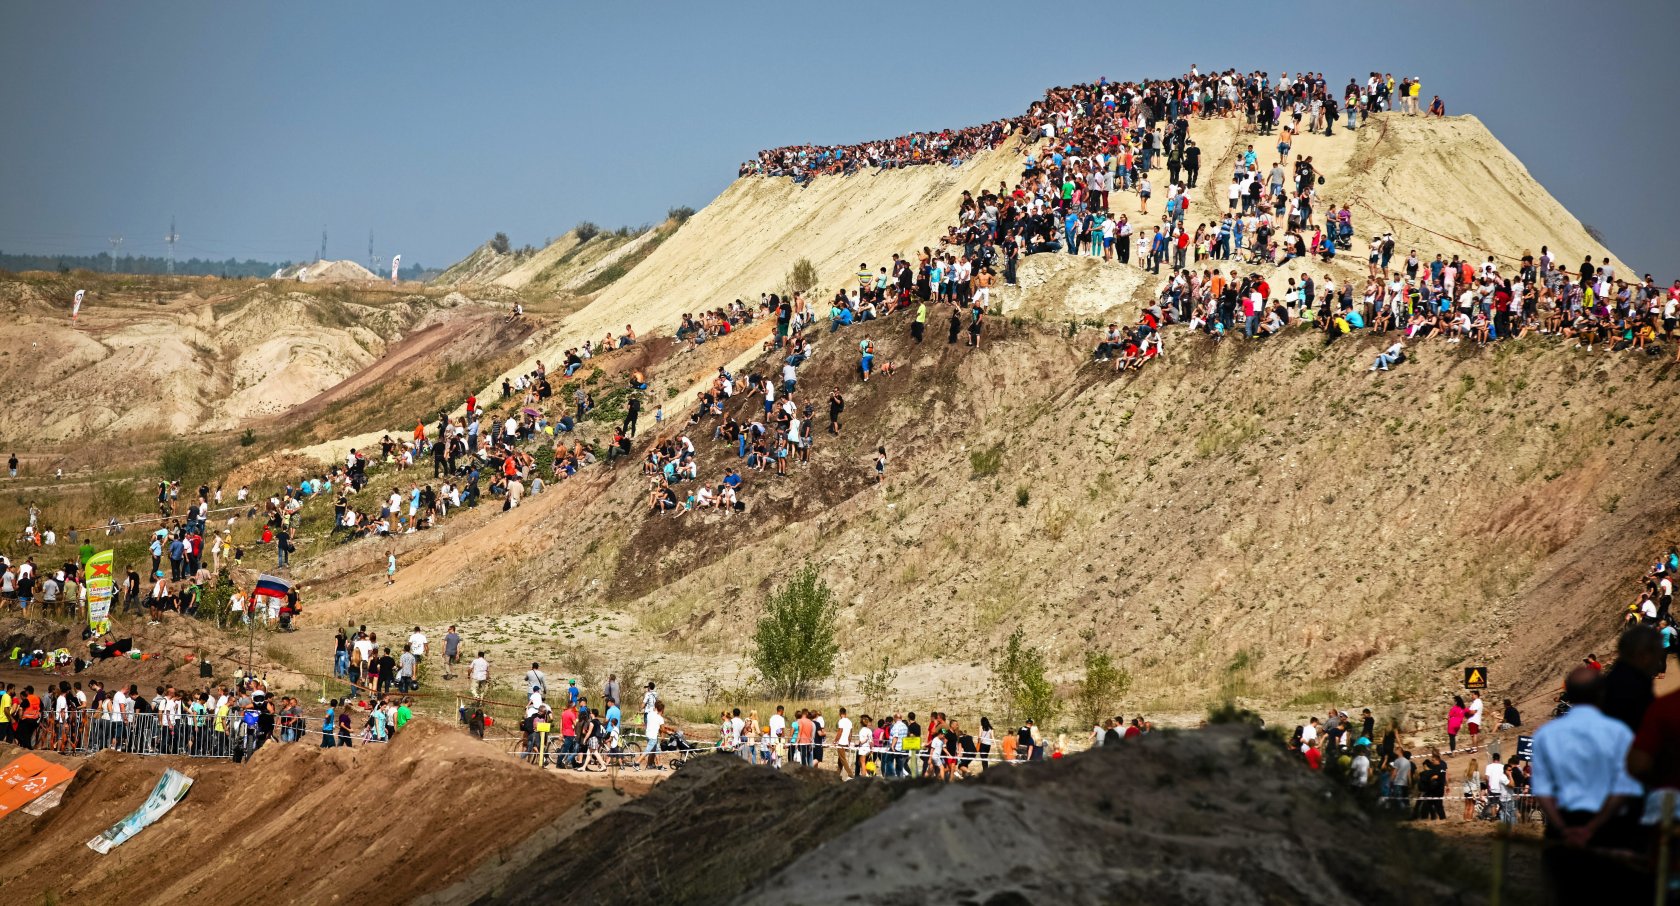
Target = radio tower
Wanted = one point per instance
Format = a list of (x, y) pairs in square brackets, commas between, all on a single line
[(116, 243), (372, 266), (323, 255), (171, 239)]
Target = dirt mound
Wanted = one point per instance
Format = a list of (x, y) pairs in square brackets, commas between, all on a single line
[(1214, 816), (1218, 815), (704, 836), (172, 652), (323, 271), (298, 824)]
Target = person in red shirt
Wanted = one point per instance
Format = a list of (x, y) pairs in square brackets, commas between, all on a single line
[(1315, 758), (1654, 757), (568, 735)]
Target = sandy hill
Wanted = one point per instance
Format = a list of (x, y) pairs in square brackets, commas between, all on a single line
[(1441, 185), (196, 355), (1258, 519), (323, 271), (577, 263)]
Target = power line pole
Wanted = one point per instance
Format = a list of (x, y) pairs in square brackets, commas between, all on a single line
[(171, 238), (372, 266), (116, 243), (323, 255)]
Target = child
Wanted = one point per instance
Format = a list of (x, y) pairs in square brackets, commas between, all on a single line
[(390, 568), (658, 416), (880, 464)]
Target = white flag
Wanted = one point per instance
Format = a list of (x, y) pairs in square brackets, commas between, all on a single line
[(396, 262), (76, 307)]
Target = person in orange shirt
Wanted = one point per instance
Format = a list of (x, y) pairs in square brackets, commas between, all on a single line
[(29, 718), (1006, 748)]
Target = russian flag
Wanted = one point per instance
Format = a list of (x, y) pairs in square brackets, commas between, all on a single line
[(271, 586)]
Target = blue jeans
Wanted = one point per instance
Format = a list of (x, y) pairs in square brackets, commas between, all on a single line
[(1353, 117), (341, 664), (1250, 325)]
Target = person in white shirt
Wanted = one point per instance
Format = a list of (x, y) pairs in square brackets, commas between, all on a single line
[(655, 723), (650, 702), (1499, 790), (844, 726), (417, 644), (1581, 781), (479, 672), (1473, 719), (778, 729)]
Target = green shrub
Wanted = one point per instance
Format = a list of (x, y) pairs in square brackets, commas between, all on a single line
[(794, 645), (1021, 675), (186, 461), (987, 462)]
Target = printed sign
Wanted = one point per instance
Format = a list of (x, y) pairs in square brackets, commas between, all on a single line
[(101, 586), (170, 789), (1475, 677)]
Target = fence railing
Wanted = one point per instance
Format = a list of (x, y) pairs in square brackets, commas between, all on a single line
[(191, 735)]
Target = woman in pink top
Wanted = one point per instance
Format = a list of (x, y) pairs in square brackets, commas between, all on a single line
[(1455, 719)]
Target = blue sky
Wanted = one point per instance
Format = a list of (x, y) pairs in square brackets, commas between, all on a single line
[(437, 124)]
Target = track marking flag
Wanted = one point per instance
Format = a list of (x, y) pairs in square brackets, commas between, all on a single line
[(101, 587), (271, 587)]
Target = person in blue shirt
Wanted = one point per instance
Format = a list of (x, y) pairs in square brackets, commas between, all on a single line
[(733, 479), (1071, 229)]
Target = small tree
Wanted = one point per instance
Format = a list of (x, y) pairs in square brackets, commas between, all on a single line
[(1020, 675), (802, 277), (186, 461), (586, 231), (1103, 686), (879, 686), (794, 645), (500, 244), (680, 215)]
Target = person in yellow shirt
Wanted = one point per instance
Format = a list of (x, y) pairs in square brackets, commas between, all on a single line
[(6, 713)]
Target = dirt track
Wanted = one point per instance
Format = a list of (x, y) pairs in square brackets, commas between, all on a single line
[(299, 824)]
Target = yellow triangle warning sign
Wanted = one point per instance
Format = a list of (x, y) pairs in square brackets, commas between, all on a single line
[(1475, 677)]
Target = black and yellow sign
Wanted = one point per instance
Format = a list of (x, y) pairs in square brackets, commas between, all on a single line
[(1475, 677)]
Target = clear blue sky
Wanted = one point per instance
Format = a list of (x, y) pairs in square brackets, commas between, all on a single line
[(438, 124)]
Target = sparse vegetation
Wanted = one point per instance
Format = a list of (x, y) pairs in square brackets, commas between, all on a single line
[(586, 231), (795, 645), (1020, 676), (802, 277), (986, 463), (187, 461), (499, 244), (879, 686), (1103, 685), (680, 214)]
